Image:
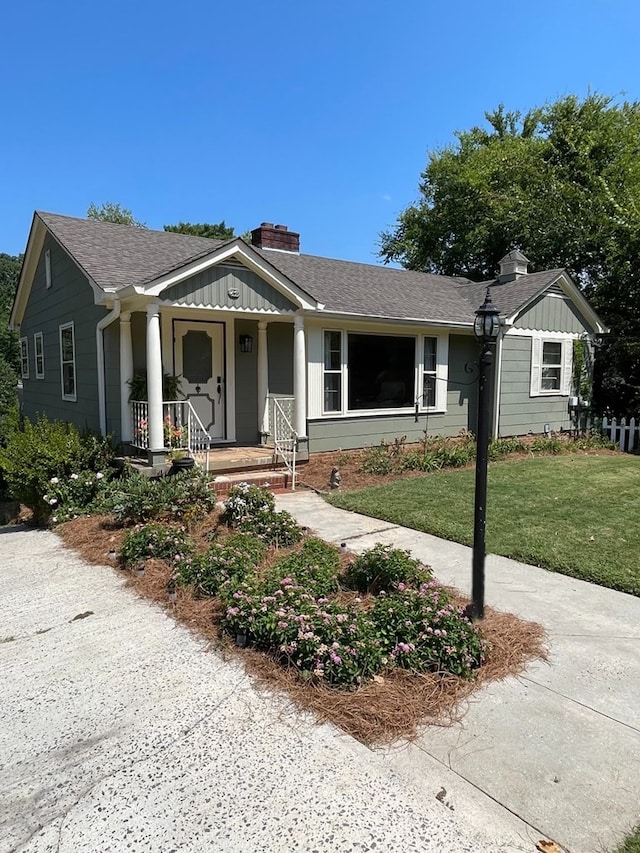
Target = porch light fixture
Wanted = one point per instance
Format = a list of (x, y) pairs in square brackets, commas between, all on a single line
[(485, 327), (246, 343)]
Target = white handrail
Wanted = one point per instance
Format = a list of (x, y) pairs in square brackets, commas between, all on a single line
[(285, 438), (182, 427)]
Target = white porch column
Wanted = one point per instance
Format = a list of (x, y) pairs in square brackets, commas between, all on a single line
[(154, 379), (299, 378), (126, 374), (263, 378)]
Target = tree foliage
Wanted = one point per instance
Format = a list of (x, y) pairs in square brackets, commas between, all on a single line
[(562, 183), (112, 212), (214, 231), (9, 351)]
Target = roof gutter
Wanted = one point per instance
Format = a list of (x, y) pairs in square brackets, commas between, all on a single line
[(100, 327)]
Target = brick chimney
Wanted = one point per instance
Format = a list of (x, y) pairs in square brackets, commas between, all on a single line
[(512, 266), (270, 236)]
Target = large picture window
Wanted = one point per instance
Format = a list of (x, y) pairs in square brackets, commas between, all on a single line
[(381, 371), (364, 372), (68, 362)]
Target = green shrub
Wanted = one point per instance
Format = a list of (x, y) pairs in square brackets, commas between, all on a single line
[(500, 447), (422, 630), (186, 496), (548, 444), (315, 567), (77, 494), (43, 450), (251, 509), (322, 639), (230, 560), (383, 567), (157, 540)]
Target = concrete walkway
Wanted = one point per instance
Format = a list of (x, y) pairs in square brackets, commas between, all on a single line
[(121, 731), (553, 753)]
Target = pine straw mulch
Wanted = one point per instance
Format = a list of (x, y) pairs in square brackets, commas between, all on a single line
[(394, 707)]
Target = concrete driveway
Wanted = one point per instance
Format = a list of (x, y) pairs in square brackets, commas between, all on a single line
[(121, 731)]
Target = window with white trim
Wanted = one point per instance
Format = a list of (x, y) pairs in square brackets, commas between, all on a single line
[(38, 354), (68, 361), (429, 372), (24, 358), (551, 365), (47, 267), (332, 372), (364, 372)]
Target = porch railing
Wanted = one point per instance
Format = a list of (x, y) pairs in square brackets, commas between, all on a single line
[(285, 439), (181, 426)]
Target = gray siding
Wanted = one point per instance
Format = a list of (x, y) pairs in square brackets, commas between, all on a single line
[(211, 289), (553, 314), (70, 298), (280, 347), (139, 341), (520, 413), (246, 389), (362, 431)]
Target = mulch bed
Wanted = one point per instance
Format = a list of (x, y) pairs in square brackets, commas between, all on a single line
[(390, 708)]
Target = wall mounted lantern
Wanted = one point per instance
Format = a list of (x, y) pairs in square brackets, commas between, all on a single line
[(246, 343)]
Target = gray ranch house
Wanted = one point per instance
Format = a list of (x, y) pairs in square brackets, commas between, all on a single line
[(271, 345)]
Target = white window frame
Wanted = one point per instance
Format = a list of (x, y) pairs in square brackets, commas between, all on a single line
[(441, 373), (24, 358), (47, 268), (38, 354), (71, 397), (566, 366), (340, 372)]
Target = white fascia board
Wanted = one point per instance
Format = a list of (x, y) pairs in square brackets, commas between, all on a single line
[(35, 242), (516, 332), (238, 250), (570, 290), (397, 321)]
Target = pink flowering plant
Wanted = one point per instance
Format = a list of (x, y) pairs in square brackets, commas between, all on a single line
[(320, 637), (158, 540), (382, 567), (423, 630), (315, 568), (229, 560)]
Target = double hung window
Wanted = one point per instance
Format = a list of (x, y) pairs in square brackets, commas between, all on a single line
[(68, 362)]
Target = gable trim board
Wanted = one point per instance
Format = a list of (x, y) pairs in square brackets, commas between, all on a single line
[(310, 295)]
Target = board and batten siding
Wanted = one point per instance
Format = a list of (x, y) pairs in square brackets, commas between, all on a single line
[(519, 412), (246, 384), (70, 298), (553, 313), (350, 432), (230, 287)]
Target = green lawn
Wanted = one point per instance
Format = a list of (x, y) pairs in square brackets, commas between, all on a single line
[(576, 514), (631, 844)]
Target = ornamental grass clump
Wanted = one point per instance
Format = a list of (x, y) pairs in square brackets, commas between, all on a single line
[(422, 630), (229, 560), (155, 540), (382, 568)]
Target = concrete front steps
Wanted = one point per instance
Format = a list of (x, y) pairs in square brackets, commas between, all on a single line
[(276, 481)]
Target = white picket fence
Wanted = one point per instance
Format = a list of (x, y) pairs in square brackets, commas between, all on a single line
[(625, 435)]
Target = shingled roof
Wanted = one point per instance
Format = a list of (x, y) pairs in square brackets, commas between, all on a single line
[(116, 256)]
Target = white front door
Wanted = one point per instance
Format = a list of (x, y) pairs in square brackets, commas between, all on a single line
[(199, 362)]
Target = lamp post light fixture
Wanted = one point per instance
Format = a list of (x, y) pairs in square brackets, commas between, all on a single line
[(485, 327)]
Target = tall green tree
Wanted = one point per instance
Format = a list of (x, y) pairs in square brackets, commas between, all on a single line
[(562, 183), (10, 266), (214, 231), (112, 212)]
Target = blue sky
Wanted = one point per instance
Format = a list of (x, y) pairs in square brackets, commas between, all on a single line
[(318, 115)]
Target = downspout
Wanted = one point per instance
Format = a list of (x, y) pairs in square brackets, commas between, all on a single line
[(100, 327), (495, 429)]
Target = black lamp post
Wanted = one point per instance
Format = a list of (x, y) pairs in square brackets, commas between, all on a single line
[(485, 327)]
